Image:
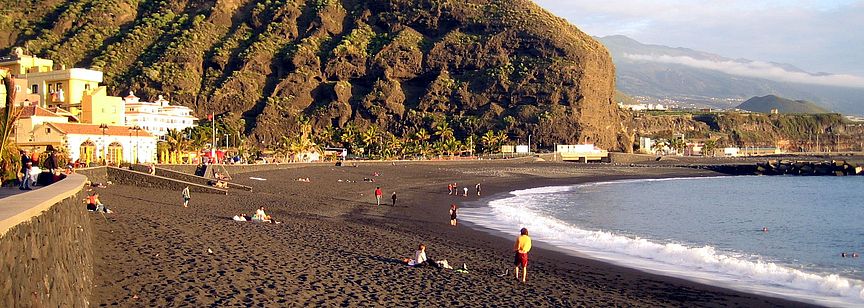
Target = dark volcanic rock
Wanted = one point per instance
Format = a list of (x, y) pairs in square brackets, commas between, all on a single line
[(508, 63)]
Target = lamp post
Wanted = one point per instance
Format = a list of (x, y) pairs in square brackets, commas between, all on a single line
[(136, 128), (104, 127)]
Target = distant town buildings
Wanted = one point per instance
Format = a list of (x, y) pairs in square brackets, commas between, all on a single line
[(68, 109), (644, 107)]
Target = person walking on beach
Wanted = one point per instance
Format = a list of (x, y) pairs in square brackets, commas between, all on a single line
[(453, 215), (449, 189), (522, 247), (378, 195), (478, 188), (465, 191), (394, 198), (186, 196)]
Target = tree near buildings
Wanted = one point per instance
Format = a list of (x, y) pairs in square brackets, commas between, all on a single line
[(8, 117), (659, 145), (677, 144), (709, 147)]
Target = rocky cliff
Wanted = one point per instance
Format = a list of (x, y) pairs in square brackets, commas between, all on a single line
[(791, 132), (400, 65)]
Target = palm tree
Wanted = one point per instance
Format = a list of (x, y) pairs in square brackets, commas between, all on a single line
[(469, 144), (370, 138), (659, 145), (489, 141), (176, 143), (677, 144), (709, 147), (349, 136), (422, 135), (8, 117), (501, 138), (443, 130)]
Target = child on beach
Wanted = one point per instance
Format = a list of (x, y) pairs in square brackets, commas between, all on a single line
[(186, 196), (453, 215), (523, 245)]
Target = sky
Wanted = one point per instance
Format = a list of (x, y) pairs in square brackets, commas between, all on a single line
[(817, 36)]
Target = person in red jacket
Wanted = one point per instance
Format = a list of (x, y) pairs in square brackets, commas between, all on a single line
[(378, 194)]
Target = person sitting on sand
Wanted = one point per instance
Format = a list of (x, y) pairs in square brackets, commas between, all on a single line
[(419, 257), (95, 205), (261, 216)]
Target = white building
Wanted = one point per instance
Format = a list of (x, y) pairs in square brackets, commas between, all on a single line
[(114, 144), (157, 117)]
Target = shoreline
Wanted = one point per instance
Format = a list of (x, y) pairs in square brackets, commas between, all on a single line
[(340, 233), (496, 225)]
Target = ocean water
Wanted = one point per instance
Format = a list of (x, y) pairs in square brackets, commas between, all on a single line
[(706, 229)]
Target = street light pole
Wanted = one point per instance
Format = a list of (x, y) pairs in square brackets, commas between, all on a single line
[(104, 127), (137, 128)]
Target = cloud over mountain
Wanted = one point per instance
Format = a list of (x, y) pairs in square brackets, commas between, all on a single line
[(757, 69)]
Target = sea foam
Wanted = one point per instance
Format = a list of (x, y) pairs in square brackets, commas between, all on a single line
[(699, 263)]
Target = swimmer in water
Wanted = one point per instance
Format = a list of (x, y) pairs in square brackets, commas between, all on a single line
[(854, 254), (842, 254), (764, 229)]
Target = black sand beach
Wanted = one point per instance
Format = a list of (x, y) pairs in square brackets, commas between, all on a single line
[(336, 248)]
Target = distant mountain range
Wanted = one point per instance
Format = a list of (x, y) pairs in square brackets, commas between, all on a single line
[(706, 79), (783, 105)]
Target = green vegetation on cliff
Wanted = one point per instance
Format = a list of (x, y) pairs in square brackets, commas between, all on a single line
[(766, 103), (398, 65)]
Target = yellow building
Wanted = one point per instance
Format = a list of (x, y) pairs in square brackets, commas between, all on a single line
[(97, 107), (63, 88), (20, 64)]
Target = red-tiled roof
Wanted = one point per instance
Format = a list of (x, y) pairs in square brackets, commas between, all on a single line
[(36, 111), (93, 129)]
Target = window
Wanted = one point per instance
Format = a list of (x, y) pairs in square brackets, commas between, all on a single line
[(17, 88), (48, 130), (86, 86), (35, 89), (59, 86), (50, 88)]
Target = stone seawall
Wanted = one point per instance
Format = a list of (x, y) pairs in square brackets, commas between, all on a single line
[(129, 177), (46, 253)]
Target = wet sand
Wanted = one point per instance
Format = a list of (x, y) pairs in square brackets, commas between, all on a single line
[(335, 247)]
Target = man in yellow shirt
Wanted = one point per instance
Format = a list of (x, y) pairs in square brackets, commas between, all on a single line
[(523, 245)]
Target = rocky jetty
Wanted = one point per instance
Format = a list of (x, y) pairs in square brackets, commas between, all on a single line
[(788, 167)]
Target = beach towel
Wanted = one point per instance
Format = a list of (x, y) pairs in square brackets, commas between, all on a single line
[(257, 179)]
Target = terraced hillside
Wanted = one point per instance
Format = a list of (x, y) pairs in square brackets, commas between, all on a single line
[(398, 65)]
